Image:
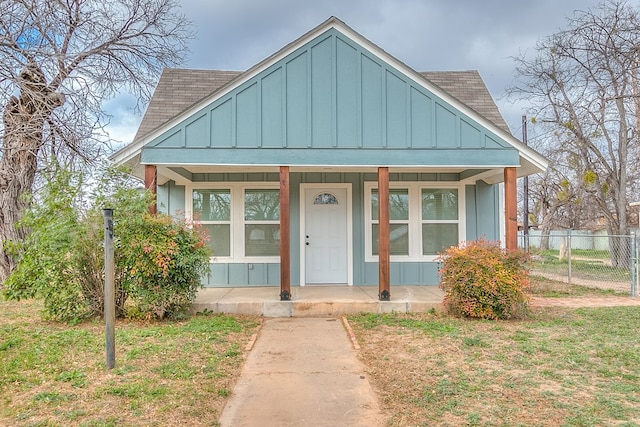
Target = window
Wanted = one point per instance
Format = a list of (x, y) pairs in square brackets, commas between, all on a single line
[(242, 221), (262, 222), (398, 221), (424, 220), (325, 199), (213, 209), (439, 220)]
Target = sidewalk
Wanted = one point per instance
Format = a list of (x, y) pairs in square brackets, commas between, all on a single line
[(302, 372)]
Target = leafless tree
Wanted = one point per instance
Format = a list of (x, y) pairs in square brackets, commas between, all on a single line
[(582, 83), (59, 60)]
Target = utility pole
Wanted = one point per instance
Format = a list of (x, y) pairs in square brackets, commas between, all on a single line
[(525, 201)]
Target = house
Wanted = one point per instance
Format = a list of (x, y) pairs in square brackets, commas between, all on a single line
[(331, 162)]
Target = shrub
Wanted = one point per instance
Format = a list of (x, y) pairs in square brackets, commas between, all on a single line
[(482, 280), (159, 259)]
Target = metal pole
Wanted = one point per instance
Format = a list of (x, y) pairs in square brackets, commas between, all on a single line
[(569, 255), (636, 287), (109, 289), (525, 198), (633, 264)]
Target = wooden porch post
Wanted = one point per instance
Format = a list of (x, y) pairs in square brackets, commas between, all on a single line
[(384, 293), (510, 209), (285, 221), (151, 184)]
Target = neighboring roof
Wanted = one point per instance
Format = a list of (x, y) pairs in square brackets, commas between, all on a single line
[(177, 90)]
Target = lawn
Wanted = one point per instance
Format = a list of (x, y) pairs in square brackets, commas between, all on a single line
[(170, 373), (560, 367)]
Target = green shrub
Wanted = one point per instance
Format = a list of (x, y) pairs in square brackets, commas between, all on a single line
[(482, 280), (161, 262), (159, 259)]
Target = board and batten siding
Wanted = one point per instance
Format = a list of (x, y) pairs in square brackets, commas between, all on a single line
[(330, 94)]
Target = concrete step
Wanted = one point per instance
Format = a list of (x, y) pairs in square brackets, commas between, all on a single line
[(317, 301)]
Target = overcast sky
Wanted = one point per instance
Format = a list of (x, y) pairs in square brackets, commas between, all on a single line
[(427, 35)]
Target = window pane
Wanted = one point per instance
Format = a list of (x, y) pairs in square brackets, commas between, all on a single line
[(262, 205), (325, 199), (398, 239), (438, 237), (439, 204), (212, 205), (398, 204), (262, 239), (219, 239)]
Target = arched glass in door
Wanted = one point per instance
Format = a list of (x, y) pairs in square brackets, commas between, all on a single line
[(325, 199)]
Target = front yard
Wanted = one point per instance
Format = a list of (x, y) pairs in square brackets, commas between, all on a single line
[(559, 367)]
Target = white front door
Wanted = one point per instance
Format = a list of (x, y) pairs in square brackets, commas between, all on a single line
[(326, 235)]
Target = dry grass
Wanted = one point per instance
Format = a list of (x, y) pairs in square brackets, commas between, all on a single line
[(560, 367), (171, 373)]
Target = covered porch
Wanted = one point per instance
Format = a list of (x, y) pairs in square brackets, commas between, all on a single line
[(317, 301)]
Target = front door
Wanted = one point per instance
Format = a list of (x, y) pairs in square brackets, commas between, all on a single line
[(325, 236)]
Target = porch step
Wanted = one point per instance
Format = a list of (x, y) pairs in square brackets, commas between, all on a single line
[(317, 301)]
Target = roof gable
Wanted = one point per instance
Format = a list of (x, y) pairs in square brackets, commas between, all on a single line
[(329, 89)]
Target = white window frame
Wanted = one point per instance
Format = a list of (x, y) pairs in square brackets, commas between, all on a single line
[(414, 189), (237, 228)]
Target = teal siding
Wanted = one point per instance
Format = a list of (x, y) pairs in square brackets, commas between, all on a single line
[(339, 100), (483, 211), (170, 198), (487, 212), (372, 103), (221, 132), (297, 101), (197, 132), (396, 111), (272, 112), (403, 273)]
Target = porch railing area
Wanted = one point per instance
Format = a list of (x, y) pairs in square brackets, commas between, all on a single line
[(585, 258)]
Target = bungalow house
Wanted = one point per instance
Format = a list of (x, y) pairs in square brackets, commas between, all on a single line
[(331, 162)]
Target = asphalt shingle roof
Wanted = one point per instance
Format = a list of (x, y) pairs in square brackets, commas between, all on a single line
[(469, 88), (179, 89)]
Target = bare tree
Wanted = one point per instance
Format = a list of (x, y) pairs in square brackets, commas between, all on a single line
[(583, 84), (59, 60)]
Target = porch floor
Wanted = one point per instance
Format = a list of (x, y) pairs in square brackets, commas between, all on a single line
[(317, 301)]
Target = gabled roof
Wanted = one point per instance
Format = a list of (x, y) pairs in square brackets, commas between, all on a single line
[(182, 93), (179, 89)]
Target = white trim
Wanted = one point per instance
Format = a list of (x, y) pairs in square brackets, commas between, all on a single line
[(328, 187), (415, 218), (237, 218)]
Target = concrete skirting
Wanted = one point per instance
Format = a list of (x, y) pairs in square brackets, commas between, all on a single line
[(317, 301)]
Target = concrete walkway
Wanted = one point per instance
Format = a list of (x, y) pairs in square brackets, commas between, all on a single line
[(302, 372), (317, 301)]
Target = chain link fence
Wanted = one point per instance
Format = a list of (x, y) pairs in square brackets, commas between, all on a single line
[(586, 259)]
